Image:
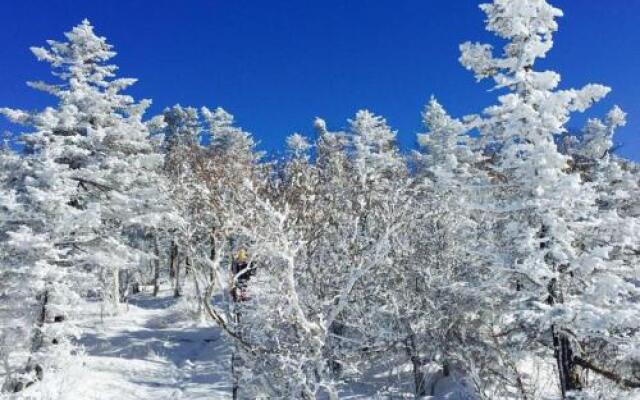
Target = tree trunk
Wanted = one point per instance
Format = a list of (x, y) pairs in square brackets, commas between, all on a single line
[(419, 379), (172, 260), (13, 385), (174, 271), (189, 269), (336, 329), (115, 290), (236, 384), (177, 290), (212, 255), (124, 276), (568, 370), (156, 267), (38, 337)]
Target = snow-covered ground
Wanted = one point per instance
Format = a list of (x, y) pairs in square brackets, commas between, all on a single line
[(151, 350), (154, 349)]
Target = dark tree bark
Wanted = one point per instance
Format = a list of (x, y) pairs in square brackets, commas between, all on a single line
[(173, 255), (38, 337), (174, 272), (177, 289), (568, 372), (336, 328), (123, 280), (212, 254), (568, 369), (37, 342), (236, 384), (156, 267), (611, 375), (419, 378)]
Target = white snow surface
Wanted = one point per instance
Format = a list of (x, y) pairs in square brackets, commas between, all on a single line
[(150, 351), (153, 349)]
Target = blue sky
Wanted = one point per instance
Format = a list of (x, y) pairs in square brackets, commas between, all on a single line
[(278, 64)]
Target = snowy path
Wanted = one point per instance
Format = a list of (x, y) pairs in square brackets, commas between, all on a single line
[(150, 352), (153, 350)]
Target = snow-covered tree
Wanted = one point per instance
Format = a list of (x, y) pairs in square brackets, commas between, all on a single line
[(499, 260), (617, 187), (88, 173), (180, 130), (553, 287), (446, 146)]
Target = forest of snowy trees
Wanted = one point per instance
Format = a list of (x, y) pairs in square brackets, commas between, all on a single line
[(501, 256)]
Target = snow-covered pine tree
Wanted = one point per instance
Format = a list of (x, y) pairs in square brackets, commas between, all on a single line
[(89, 172), (617, 187), (137, 203), (181, 134), (22, 279), (377, 236), (446, 148), (442, 264), (553, 288)]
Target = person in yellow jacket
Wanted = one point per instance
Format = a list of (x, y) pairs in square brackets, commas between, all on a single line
[(242, 271)]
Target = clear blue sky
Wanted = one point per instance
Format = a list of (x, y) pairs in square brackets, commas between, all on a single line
[(278, 64)]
